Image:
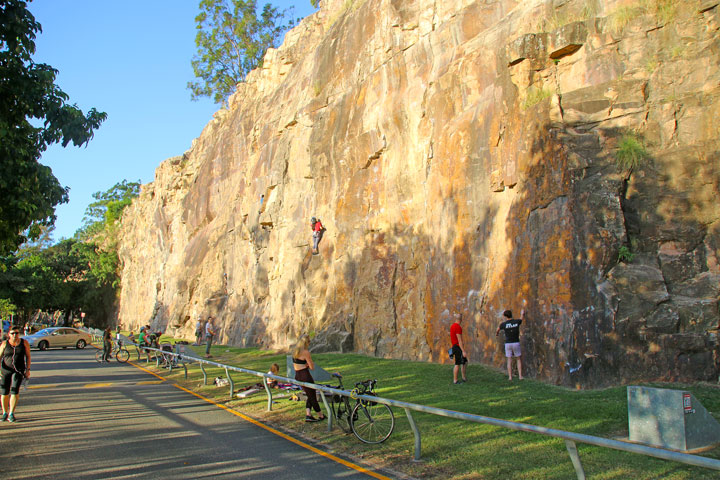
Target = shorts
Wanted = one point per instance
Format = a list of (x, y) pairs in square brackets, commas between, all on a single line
[(11, 382), (458, 356), (512, 350)]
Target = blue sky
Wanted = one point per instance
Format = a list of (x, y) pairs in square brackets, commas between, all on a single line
[(130, 59)]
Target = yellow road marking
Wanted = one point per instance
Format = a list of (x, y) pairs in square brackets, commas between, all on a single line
[(147, 371), (150, 382), (97, 385), (272, 430), (44, 386), (287, 437)]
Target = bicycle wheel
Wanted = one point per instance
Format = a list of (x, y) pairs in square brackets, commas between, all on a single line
[(122, 355), (342, 414), (372, 422), (99, 355)]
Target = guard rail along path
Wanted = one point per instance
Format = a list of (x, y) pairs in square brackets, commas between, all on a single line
[(571, 439)]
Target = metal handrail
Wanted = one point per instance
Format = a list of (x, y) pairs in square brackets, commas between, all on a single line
[(570, 437)]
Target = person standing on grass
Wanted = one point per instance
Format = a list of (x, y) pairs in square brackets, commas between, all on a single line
[(210, 333), (303, 363), (199, 327), (14, 367), (511, 326), (458, 350)]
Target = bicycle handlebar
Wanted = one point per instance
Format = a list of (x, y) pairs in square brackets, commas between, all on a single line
[(367, 385)]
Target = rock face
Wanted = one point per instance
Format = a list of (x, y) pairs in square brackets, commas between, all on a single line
[(463, 156)]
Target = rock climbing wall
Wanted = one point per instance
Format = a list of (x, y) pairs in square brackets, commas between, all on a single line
[(471, 156)]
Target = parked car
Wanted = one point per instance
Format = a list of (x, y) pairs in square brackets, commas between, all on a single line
[(58, 337)]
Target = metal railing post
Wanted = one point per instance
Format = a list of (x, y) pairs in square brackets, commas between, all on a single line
[(269, 394), (572, 450), (230, 381), (202, 368), (416, 433), (327, 409)]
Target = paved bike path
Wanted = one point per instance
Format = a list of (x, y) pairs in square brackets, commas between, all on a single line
[(83, 420)]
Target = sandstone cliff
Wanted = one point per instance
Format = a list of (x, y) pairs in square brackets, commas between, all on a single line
[(463, 156)]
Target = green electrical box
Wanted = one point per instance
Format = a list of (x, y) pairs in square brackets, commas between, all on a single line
[(672, 419)]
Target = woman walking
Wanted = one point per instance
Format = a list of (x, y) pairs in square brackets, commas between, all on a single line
[(107, 345), (302, 363), (14, 367)]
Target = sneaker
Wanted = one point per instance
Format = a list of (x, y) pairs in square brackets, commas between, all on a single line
[(458, 382), (310, 419), (11, 418), (4, 417)]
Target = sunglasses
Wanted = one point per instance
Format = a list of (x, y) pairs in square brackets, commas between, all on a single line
[(14, 333)]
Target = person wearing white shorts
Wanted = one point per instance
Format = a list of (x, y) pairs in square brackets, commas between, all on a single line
[(512, 350), (511, 327)]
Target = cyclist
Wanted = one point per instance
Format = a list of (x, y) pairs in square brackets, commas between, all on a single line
[(144, 340)]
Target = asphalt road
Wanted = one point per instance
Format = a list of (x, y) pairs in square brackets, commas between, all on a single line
[(83, 420)]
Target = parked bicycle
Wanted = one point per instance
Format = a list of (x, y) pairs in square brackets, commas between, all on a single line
[(167, 358), (120, 353), (371, 422)]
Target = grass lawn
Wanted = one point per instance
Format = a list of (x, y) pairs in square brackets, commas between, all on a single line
[(453, 448)]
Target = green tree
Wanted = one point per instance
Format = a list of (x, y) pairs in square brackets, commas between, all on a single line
[(29, 97), (6, 308), (232, 40), (104, 214), (69, 277), (315, 3)]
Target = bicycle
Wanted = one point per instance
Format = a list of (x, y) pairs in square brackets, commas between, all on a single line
[(166, 357), (371, 422), (118, 351)]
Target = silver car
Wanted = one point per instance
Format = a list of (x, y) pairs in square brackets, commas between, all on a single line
[(54, 337)]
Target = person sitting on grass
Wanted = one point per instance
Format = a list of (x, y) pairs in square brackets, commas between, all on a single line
[(274, 370)]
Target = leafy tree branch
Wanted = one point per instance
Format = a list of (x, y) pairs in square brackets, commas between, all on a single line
[(232, 40), (28, 97)]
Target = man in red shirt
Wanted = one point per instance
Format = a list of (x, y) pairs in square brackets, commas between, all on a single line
[(317, 229), (458, 349)]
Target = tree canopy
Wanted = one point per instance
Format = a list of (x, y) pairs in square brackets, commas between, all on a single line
[(77, 274), (232, 40), (105, 212), (34, 114)]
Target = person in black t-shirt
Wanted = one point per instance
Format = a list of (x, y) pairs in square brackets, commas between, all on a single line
[(511, 326)]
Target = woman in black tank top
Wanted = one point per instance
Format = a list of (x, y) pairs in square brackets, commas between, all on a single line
[(302, 363), (14, 367)]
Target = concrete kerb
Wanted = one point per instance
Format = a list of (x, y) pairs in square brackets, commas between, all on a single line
[(571, 439)]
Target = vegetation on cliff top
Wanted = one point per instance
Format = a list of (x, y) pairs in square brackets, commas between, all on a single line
[(232, 40)]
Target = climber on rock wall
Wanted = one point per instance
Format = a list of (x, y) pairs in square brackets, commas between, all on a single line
[(318, 229)]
